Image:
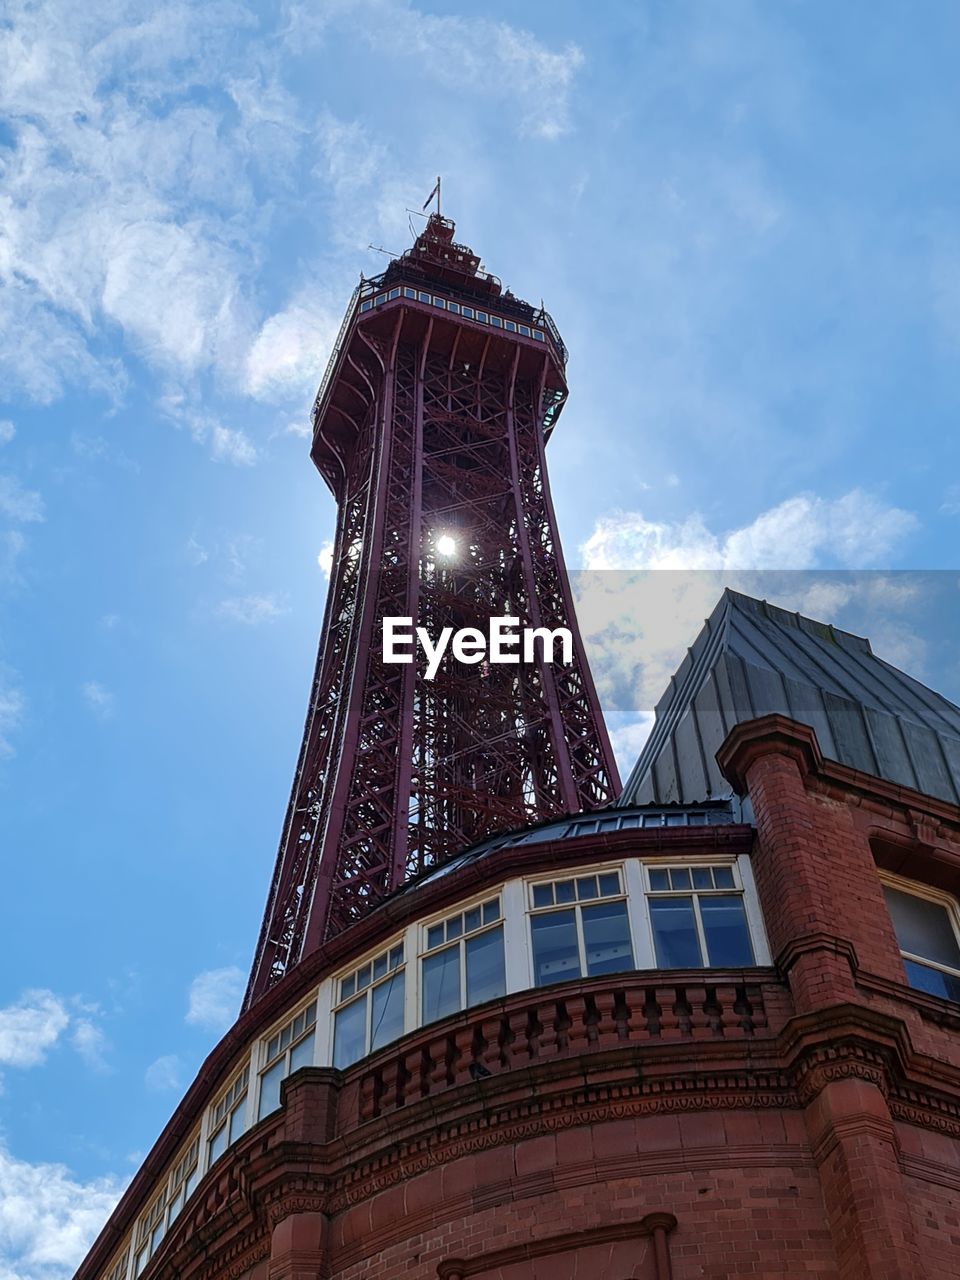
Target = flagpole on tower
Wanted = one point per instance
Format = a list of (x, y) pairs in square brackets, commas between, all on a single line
[(434, 192)]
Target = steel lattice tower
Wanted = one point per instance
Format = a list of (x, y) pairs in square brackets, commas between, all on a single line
[(429, 428)]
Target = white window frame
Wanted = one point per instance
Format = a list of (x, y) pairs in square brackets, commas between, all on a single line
[(577, 873), (940, 898), (213, 1127), (403, 939), (265, 1063), (743, 884), (440, 918)]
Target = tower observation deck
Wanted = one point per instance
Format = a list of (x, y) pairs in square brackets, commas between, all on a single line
[(429, 428)]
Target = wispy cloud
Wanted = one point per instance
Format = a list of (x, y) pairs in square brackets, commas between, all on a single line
[(12, 707), (290, 348), (251, 611), (230, 445), (90, 1043), (99, 699), (163, 1074), (474, 55), (32, 1027), (214, 998), (17, 503), (7, 431), (853, 531)]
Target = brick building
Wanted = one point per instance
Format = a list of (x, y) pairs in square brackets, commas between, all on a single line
[(710, 1030)]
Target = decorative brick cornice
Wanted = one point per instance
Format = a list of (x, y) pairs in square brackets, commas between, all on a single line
[(767, 735)]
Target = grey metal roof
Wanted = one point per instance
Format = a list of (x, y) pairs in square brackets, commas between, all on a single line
[(753, 659), (711, 813)]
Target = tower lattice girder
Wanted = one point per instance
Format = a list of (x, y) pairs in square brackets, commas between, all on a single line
[(431, 425)]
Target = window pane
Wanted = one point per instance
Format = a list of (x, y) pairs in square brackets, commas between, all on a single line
[(609, 884), (237, 1118), (723, 877), (702, 878), (176, 1204), (218, 1144), (725, 927), (659, 880), (471, 920), (606, 937), (566, 891), (301, 1055), (270, 1088), (543, 895), (675, 933), (434, 936), (486, 977), (387, 1010), (350, 1033), (379, 967), (555, 954), (441, 984), (679, 878), (923, 927), (454, 928), (587, 888), (933, 981), (491, 911)]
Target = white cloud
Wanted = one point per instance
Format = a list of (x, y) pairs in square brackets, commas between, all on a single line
[(98, 698), (291, 349), (32, 1027), (196, 554), (214, 998), (12, 546), (49, 1218), (17, 503), (229, 445), (650, 585), (800, 533), (163, 1074), (252, 610), (325, 559), (225, 444), (7, 431), (627, 740), (12, 707), (467, 54), (91, 1044)]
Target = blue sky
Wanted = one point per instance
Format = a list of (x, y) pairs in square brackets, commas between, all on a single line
[(743, 219)]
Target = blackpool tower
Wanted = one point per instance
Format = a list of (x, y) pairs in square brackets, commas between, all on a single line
[(429, 428), (507, 1021)]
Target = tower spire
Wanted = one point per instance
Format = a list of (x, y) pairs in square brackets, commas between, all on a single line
[(429, 429)]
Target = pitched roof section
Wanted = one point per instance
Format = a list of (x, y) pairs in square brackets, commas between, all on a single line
[(753, 659)]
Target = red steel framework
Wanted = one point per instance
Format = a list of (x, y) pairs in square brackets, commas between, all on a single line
[(430, 428)]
